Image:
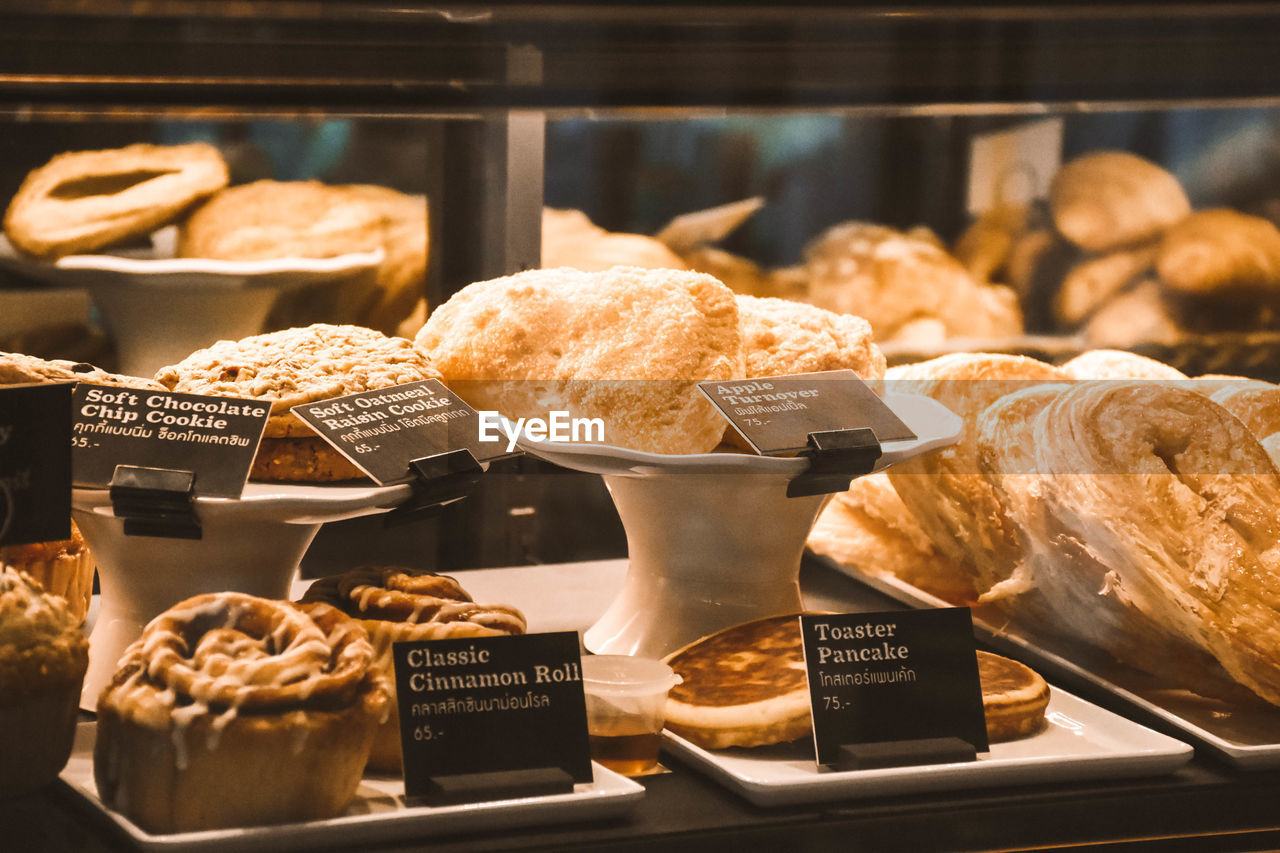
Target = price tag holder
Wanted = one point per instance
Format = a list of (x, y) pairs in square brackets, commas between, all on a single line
[(383, 432), (35, 463), (894, 688), (833, 417), (214, 438), (156, 451), (485, 718)]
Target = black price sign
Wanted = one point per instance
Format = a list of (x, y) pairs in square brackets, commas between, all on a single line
[(775, 415), (888, 677), (214, 437), (491, 704), (35, 463), (382, 431)]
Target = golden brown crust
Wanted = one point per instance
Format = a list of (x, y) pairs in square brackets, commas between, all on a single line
[(299, 365), (903, 284), (1109, 199), (17, 369), (570, 239), (1014, 697), (280, 219), (1163, 554), (63, 568), (1094, 280), (395, 604), (1220, 252), (574, 341), (85, 200), (43, 656), (781, 337), (743, 686), (1140, 315), (954, 505), (232, 710), (869, 528), (1119, 364)]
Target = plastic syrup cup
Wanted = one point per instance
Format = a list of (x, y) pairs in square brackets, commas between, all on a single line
[(626, 709)]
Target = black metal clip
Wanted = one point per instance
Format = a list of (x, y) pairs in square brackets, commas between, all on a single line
[(900, 753), (439, 480), (835, 458), (155, 502)]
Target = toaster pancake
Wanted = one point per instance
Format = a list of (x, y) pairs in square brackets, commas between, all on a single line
[(747, 686)]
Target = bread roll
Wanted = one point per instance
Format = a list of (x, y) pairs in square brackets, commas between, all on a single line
[(781, 337), (1118, 364), (1093, 281), (1109, 199), (1220, 252)]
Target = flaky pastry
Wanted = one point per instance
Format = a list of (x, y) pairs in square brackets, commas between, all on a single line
[(627, 345)]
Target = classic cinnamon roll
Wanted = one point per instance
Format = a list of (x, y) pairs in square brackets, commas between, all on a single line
[(232, 710), (395, 604)]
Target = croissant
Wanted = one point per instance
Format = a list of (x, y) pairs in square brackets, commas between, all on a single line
[(958, 509), (1148, 514), (232, 710), (394, 604), (870, 528)]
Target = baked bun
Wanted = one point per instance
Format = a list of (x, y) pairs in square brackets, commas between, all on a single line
[(1220, 253), (86, 200), (1109, 199), (627, 345), (1094, 280), (780, 337), (395, 605), (296, 366), (232, 710), (43, 656), (1139, 315), (907, 288)]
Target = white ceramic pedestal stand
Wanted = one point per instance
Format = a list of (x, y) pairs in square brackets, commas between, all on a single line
[(158, 309), (251, 545), (713, 539)]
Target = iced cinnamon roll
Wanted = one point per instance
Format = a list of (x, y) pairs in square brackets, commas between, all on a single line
[(394, 605), (232, 710)]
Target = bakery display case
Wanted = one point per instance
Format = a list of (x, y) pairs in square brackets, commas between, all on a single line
[(1017, 201)]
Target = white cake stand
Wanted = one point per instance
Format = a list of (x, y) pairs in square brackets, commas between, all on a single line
[(253, 544), (158, 309), (713, 539)]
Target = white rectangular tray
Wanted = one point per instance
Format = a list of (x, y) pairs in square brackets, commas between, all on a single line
[(379, 813), (1080, 741), (1246, 736)]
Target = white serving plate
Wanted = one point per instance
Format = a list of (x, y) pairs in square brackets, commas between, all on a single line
[(1081, 741), (1245, 736), (379, 813)]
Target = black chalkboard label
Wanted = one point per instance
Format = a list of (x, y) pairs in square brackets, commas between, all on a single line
[(895, 676), (214, 437), (775, 414), (491, 704), (382, 431), (35, 463)]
